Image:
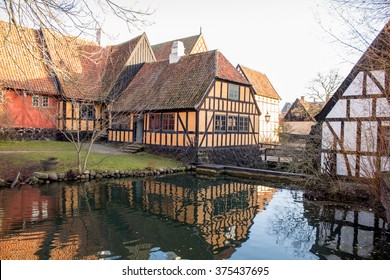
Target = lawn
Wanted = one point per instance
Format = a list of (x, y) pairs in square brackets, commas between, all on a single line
[(26, 156)]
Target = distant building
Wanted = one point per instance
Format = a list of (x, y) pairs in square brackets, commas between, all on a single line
[(299, 119), (268, 102)]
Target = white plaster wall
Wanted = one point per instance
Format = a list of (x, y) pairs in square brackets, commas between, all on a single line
[(369, 136), (372, 88), (367, 166), (327, 136), (342, 165), (350, 131), (355, 88), (361, 108), (382, 107), (365, 241), (380, 76), (385, 163), (339, 110), (268, 132), (366, 219), (346, 239)]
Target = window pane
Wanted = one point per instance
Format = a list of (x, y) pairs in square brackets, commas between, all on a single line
[(168, 122), (220, 123), (234, 92), (35, 101), (232, 123), (45, 101)]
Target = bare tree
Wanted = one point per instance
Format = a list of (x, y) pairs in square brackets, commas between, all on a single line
[(323, 85), (64, 23)]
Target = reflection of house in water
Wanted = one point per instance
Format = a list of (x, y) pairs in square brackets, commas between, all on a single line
[(186, 216), (347, 234), (23, 208), (222, 211)]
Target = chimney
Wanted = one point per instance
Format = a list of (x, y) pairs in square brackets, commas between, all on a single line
[(177, 51), (302, 97), (99, 36)]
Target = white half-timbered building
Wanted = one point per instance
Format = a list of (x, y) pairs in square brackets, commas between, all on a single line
[(356, 120)]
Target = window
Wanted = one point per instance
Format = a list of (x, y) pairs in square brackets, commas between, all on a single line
[(232, 123), (87, 112), (45, 101), (234, 92), (35, 100), (220, 123), (244, 124), (168, 122), (155, 122), (385, 139), (1, 97), (121, 123)]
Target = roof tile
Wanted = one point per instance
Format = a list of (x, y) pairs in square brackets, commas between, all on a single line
[(182, 85), (260, 83), (22, 64)]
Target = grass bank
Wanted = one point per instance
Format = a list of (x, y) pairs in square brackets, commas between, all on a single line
[(25, 157)]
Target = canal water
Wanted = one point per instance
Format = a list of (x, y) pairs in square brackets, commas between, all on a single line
[(183, 217)]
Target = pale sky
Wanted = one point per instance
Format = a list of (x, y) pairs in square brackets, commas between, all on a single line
[(279, 38)]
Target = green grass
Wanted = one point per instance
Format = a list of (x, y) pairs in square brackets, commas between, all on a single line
[(30, 160), (35, 146)]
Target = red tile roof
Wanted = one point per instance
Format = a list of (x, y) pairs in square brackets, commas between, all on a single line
[(260, 83), (22, 63), (78, 64), (182, 85), (162, 50), (116, 59)]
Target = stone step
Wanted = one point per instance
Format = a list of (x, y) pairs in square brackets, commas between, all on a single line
[(132, 148)]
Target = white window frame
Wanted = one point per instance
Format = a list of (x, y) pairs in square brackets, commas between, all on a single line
[(234, 92), (220, 123), (35, 101), (2, 97), (45, 101)]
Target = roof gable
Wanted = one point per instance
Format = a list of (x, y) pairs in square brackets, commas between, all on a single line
[(301, 110), (377, 56), (260, 83), (22, 64), (119, 57), (162, 50), (182, 85)]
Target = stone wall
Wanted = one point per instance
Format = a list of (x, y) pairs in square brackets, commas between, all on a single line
[(18, 134), (247, 156)]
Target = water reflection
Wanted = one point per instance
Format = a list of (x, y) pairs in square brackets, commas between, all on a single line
[(181, 216)]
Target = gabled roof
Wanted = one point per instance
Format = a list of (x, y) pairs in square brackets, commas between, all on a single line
[(117, 57), (78, 64), (302, 110), (182, 85), (162, 50), (260, 83), (22, 63), (377, 56)]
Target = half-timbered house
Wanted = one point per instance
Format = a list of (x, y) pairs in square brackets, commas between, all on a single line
[(28, 98), (90, 77), (268, 101), (299, 119), (189, 101), (356, 120)]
